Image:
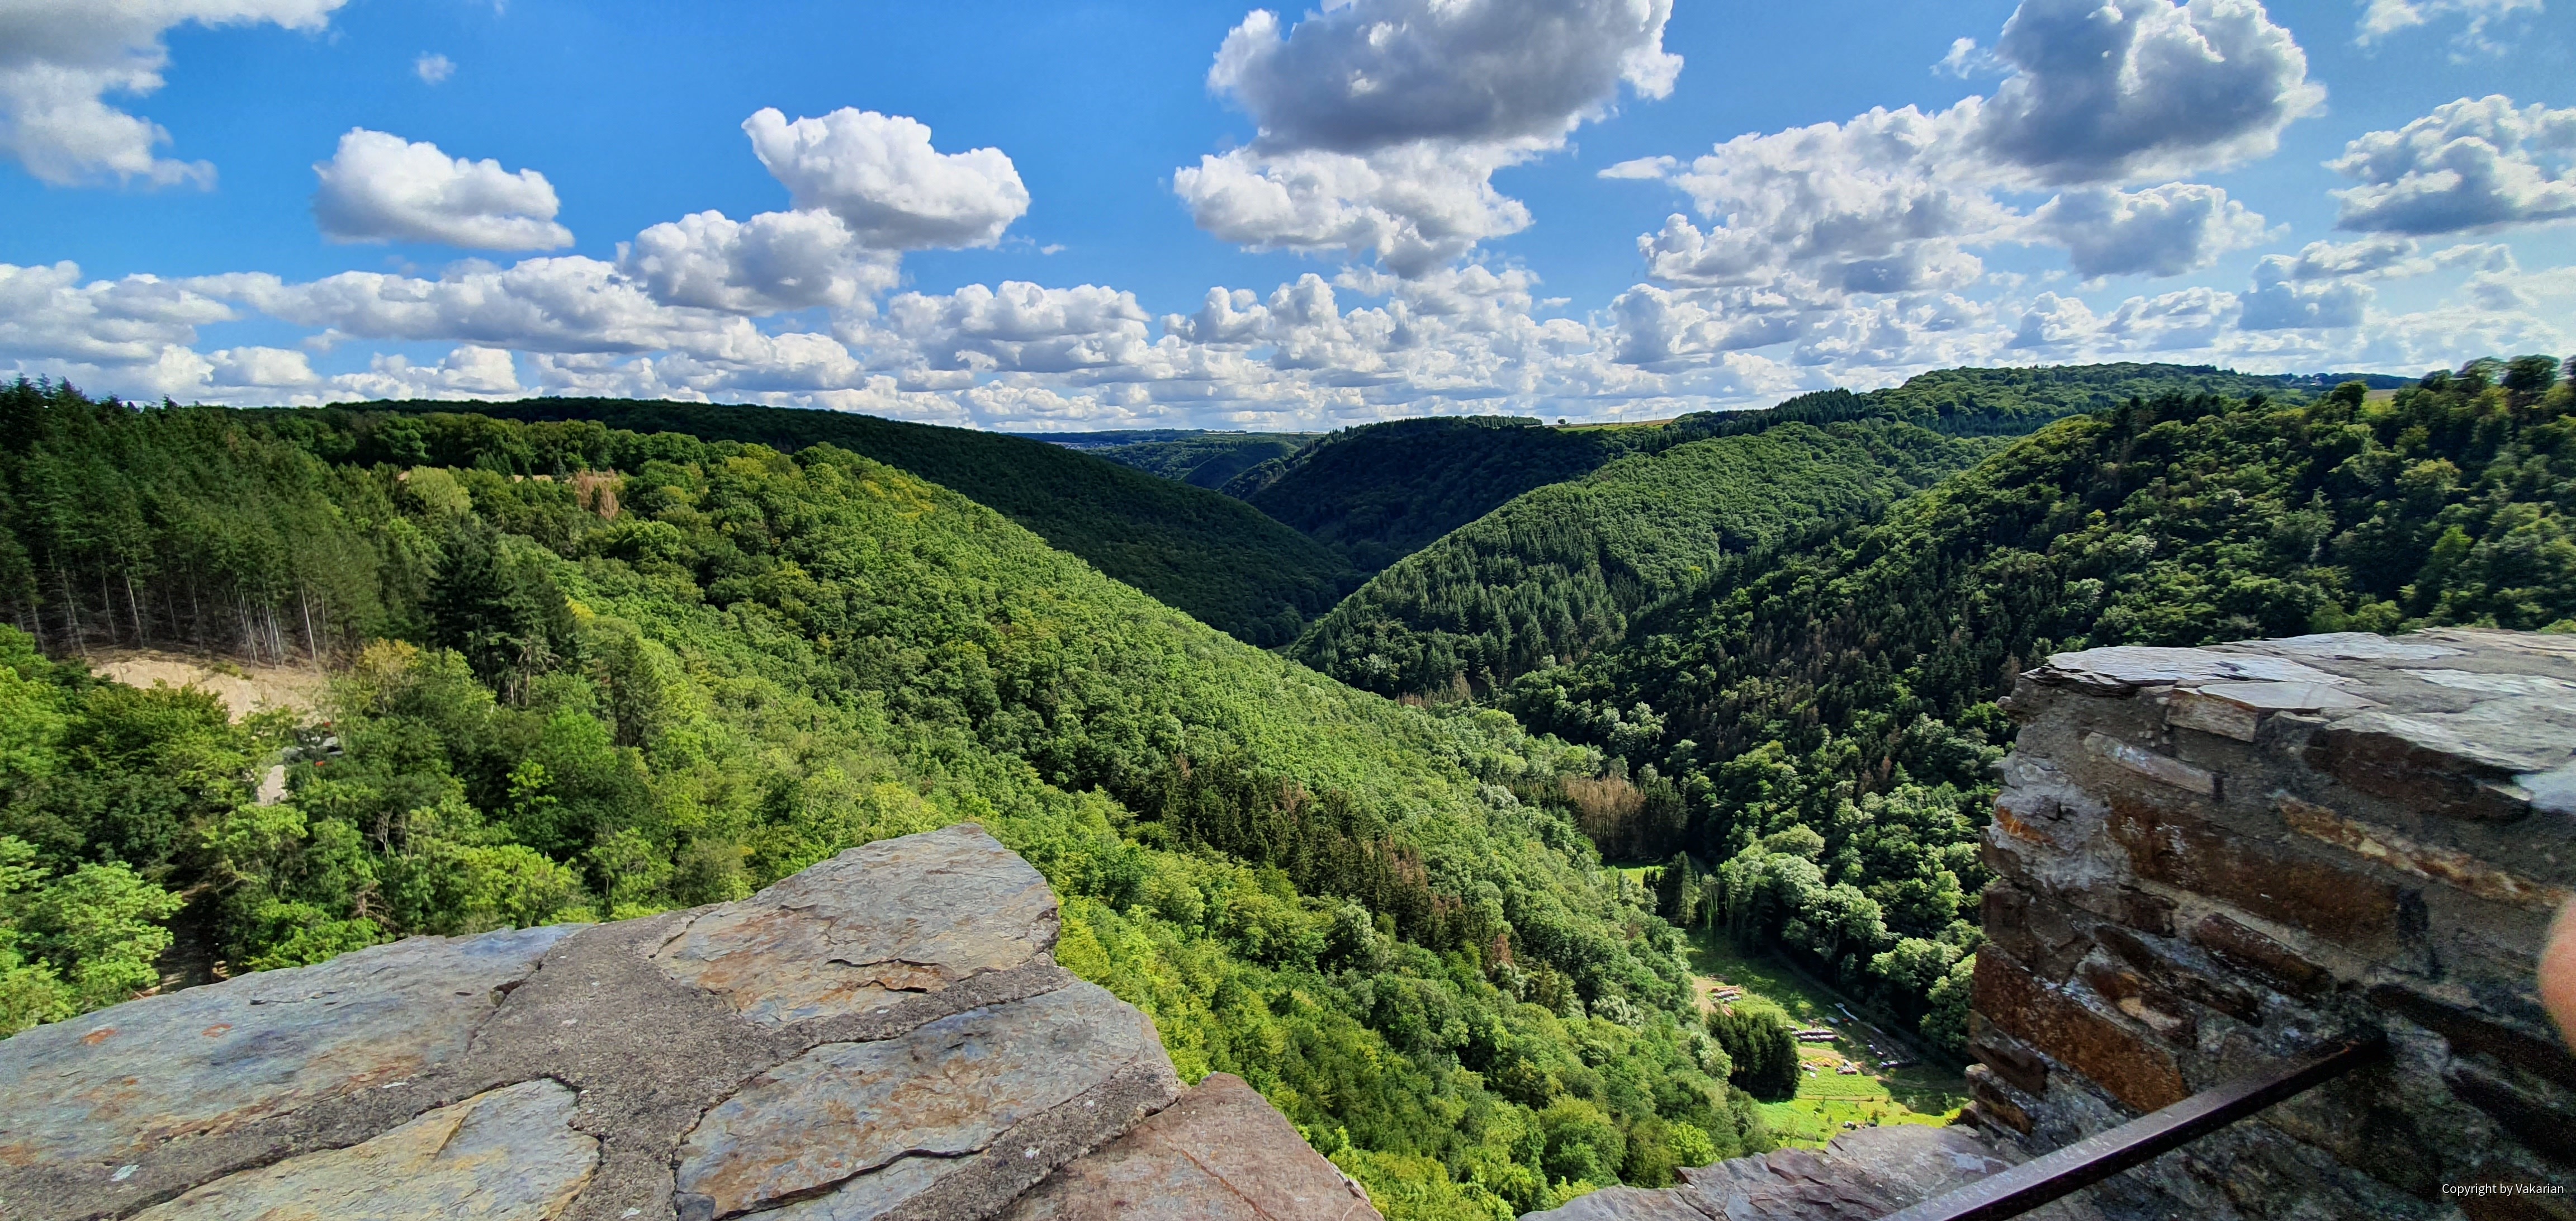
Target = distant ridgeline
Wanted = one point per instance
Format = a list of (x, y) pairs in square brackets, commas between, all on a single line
[(1383, 491), (566, 694), (1196, 457), (1557, 572), (1202, 553)]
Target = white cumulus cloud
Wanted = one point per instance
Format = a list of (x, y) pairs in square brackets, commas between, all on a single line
[(881, 176), (1382, 122), (2124, 89), (383, 188), (433, 68), (2160, 231), (2471, 164), (59, 58), (771, 262)]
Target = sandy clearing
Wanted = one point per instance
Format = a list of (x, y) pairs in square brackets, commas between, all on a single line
[(244, 688)]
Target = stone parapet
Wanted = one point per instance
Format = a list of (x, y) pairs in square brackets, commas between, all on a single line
[(2213, 860), (884, 1035)]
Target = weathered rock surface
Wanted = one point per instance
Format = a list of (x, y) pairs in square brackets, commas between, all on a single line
[(2213, 860), (1219, 1154), (883, 1035), (1859, 1176)]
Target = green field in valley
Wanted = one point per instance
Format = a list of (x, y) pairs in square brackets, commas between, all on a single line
[(1918, 1093)]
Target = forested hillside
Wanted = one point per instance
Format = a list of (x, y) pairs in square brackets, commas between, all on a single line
[(570, 694), (1381, 492), (1815, 721), (1556, 573), (1203, 553), (1200, 459)]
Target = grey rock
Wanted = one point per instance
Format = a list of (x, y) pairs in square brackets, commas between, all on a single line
[(844, 1111), (1219, 1154), (2375, 854), (909, 915), (884, 1035), (107, 1087), (508, 1155)]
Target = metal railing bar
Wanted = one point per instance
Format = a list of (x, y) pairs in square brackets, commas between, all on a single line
[(2010, 1193)]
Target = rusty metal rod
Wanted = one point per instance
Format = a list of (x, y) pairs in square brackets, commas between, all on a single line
[(2012, 1192)]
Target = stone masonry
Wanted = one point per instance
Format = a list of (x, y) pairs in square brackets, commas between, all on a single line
[(2214, 860), (884, 1035)]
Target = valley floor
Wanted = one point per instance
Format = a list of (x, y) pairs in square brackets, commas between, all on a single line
[(1916, 1093)]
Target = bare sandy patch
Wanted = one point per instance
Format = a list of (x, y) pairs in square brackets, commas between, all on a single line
[(243, 687)]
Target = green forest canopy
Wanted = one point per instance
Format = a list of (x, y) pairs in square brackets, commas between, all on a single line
[(1815, 719), (1556, 573), (586, 696), (1192, 549)]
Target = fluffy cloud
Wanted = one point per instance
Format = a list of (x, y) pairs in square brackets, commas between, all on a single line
[(2471, 164), (1376, 73), (433, 68), (2281, 305), (465, 373), (383, 188), (1865, 205), (2127, 89), (261, 368), (1415, 207), (2097, 95), (567, 304), (48, 315), (774, 261), (1382, 122), (2161, 231), (1023, 328), (881, 176), (2381, 18), (59, 57)]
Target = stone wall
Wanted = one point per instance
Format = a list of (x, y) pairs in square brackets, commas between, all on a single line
[(2214, 860), (883, 1035)]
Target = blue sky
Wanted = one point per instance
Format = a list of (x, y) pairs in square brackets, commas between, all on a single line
[(1406, 200)]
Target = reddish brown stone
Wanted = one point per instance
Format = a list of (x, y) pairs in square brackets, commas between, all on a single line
[(1993, 1103), (2240, 947), (2123, 1062), (2467, 1031), (2339, 904), (2432, 781)]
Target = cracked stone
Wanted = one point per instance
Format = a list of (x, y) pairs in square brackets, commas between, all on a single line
[(116, 1083), (912, 915), (842, 1112), (507, 1155)]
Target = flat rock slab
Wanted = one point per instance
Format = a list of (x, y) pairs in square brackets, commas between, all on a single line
[(1859, 1176), (508, 1155), (2471, 723), (1219, 1154), (107, 1087), (883, 1035), (843, 1113), (910, 915)]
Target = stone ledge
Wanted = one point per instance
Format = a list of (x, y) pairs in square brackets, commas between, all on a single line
[(882, 1035)]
